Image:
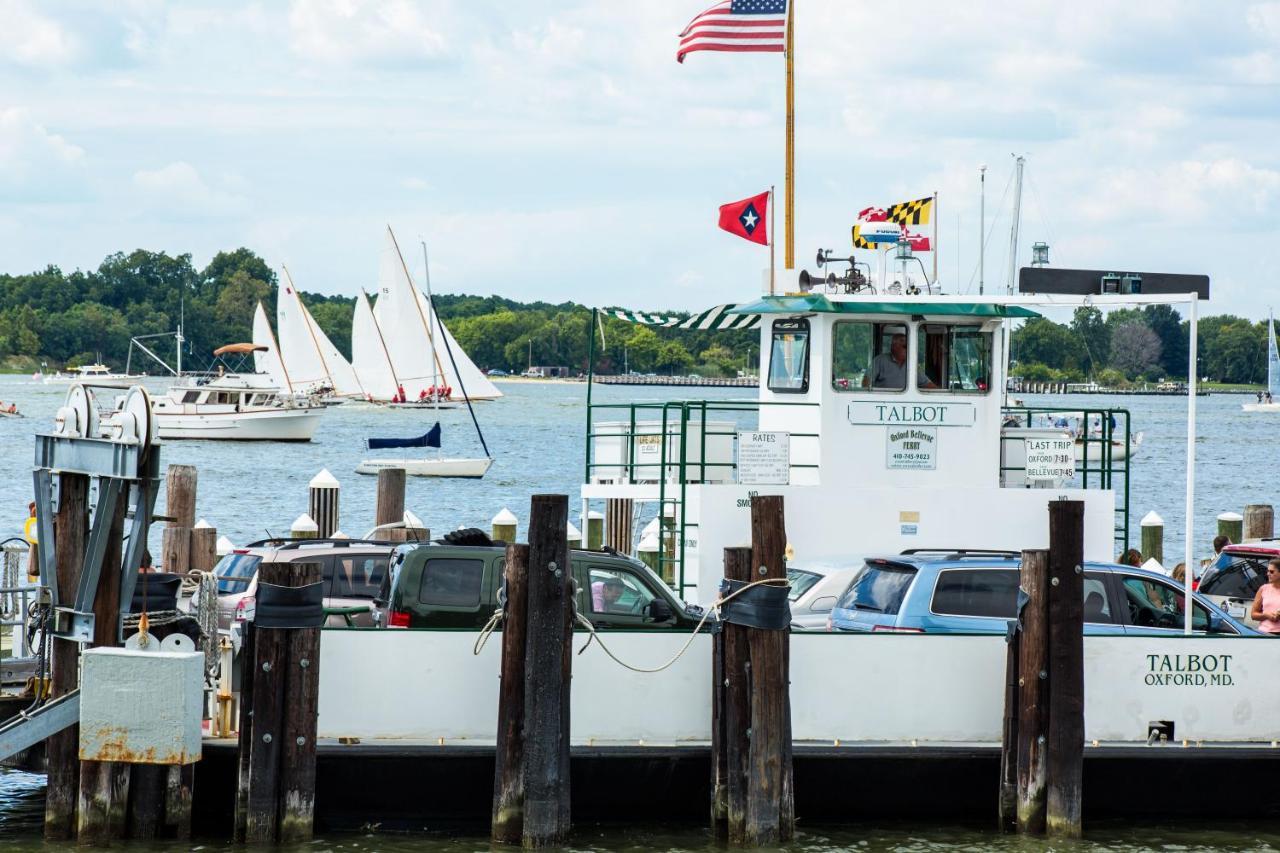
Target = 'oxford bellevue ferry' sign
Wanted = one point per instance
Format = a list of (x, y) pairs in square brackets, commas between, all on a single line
[(947, 414)]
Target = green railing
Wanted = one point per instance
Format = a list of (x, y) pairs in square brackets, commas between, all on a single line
[(678, 420), (1097, 466)]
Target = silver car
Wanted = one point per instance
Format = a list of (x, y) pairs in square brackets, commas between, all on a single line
[(815, 588)]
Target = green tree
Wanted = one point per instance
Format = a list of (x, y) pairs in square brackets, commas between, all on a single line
[(1135, 349), (1045, 342), (1173, 335), (1090, 329)]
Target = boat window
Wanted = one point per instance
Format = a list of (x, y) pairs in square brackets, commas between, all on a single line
[(618, 592), (358, 576), (880, 588), (869, 355), (452, 582), (789, 357), (953, 358), (190, 396), (1155, 604)]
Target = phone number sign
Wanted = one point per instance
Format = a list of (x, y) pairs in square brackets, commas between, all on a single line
[(912, 448)]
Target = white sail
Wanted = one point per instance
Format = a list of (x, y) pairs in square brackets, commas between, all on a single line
[(412, 334), (312, 359), (369, 356), (1273, 360), (268, 361)]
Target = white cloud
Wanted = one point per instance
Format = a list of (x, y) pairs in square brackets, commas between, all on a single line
[(178, 189), (29, 38), (364, 32), (1190, 194), (35, 162)]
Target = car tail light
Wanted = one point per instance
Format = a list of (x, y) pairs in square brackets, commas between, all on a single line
[(829, 625), (398, 619), (244, 608), (894, 629)]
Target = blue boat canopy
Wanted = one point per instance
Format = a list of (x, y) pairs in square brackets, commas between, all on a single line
[(430, 439), (816, 303)]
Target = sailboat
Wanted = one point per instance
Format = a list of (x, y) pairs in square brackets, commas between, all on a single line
[(266, 352), (1271, 402), (313, 362), (438, 465)]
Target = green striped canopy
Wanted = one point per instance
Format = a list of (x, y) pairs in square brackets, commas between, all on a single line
[(816, 303), (719, 318)]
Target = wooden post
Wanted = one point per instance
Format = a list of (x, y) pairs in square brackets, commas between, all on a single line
[(1033, 683), (390, 505), (414, 529), (1007, 802), (735, 711), (177, 800), (595, 530), (1065, 763), (103, 807), (264, 721), (507, 826), (1259, 522), (1231, 525), (244, 733), (770, 796), (1153, 537), (301, 679), (175, 549), (180, 495), (71, 538), (617, 524), (503, 526), (548, 660), (649, 552), (574, 535), (204, 547), (304, 527), (322, 502)]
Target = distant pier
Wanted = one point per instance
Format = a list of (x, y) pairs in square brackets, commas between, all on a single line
[(633, 379)]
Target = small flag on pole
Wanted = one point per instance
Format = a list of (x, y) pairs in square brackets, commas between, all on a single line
[(746, 26), (746, 218), (911, 212)]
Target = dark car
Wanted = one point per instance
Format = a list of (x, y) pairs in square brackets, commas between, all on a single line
[(443, 585), (1237, 574)]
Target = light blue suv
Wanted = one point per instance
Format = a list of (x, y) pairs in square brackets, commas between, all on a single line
[(975, 592)]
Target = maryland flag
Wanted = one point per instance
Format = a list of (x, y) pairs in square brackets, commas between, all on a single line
[(858, 242), (911, 212)]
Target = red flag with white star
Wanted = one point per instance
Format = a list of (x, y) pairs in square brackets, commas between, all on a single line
[(747, 218)]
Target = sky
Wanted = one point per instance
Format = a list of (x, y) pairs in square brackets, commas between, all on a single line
[(555, 150)]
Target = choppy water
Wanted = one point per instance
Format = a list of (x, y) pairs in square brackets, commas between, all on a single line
[(536, 433)]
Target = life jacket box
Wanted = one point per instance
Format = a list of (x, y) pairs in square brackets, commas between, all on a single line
[(141, 707)]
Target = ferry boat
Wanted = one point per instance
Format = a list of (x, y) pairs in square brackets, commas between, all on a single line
[(235, 407)]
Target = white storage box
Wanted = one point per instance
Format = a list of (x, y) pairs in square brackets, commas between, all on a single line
[(141, 707)]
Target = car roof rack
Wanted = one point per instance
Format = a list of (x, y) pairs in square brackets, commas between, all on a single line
[(290, 542), (961, 553)]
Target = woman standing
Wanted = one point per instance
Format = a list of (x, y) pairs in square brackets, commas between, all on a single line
[(1266, 604)]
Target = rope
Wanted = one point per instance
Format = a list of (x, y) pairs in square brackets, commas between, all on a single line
[(10, 602), (492, 625), (207, 618)]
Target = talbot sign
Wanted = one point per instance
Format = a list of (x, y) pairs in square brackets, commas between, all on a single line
[(1188, 670), (913, 414)]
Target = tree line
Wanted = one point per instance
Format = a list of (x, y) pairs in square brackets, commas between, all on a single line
[(1131, 345), (69, 319)]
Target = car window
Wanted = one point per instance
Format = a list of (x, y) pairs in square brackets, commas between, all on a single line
[(976, 592), (235, 571), (1097, 604), (1156, 604), (801, 582), (358, 576), (879, 587), (1235, 576), (617, 591), (451, 582)]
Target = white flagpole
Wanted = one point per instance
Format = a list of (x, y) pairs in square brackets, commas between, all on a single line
[(772, 239)]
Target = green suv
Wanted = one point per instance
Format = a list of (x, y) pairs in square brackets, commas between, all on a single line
[(442, 585)]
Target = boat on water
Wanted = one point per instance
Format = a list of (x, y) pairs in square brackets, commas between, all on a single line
[(235, 407), (301, 357), (92, 374), (1269, 401)]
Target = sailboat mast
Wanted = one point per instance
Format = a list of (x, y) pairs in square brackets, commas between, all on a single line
[(1019, 161), (307, 321), (426, 324)]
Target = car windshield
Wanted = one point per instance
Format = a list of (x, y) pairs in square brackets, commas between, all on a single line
[(1235, 575), (234, 572), (880, 587), (801, 582)]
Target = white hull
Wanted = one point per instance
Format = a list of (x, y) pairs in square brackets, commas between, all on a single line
[(117, 380), (1261, 407), (428, 467), (1118, 451), (277, 425), (414, 404)]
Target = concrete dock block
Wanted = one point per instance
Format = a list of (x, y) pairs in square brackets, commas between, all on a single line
[(141, 707)]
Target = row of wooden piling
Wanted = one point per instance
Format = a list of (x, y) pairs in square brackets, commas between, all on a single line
[(1257, 522)]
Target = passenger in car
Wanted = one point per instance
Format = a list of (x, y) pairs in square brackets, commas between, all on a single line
[(605, 595)]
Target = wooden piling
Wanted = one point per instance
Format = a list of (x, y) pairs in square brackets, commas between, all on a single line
[(502, 526), (322, 502), (304, 527), (1259, 522), (1033, 684), (770, 794), (507, 825), (390, 501), (595, 530), (301, 679), (1065, 760), (264, 720), (1153, 537), (617, 524), (175, 549), (179, 783), (71, 538), (244, 731), (1007, 801), (204, 547), (731, 716), (548, 660), (1231, 525), (180, 495)]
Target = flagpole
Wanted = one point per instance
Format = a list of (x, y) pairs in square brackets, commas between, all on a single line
[(773, 239), (935, 236), (789, 255)]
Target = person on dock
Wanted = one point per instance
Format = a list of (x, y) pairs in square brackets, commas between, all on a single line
[(1132, 557), (1266, 604), (29, 533)]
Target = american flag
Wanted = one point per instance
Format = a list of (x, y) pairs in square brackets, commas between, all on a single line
[(754, 26)]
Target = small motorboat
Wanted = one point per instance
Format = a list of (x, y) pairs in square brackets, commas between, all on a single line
[(1119, 452), (428, 466)]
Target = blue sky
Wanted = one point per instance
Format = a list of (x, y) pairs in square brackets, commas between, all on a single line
[(556, 150)]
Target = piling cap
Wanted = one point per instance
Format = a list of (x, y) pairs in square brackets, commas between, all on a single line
[(594, 515), (202, 525), (506, 516), (338, 534), (649, 542), (324, 480), (225, 546), (572, 532), (651, 527), (1152, 520), (668, 510), (304, 524), (412, 522), (1230, 516), (1154, 565)]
